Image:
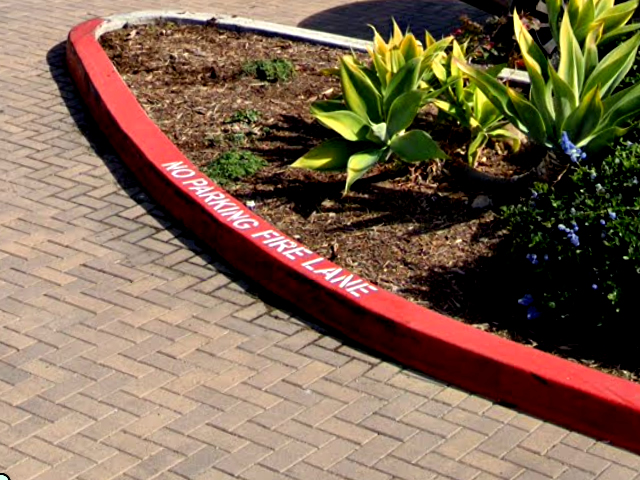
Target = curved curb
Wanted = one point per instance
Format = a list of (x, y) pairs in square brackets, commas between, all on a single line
[(546, 386)]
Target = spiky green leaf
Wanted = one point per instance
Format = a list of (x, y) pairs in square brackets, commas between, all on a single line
[(403, 111), (586, 118), (360, 163), (359, 93), (404, 81), (612, 69), (416, 146), (331, 155), (346, 123), (529, 116)]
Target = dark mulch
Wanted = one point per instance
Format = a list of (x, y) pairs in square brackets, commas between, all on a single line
[(403, 228)]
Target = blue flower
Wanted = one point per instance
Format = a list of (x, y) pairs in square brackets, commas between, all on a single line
[(603, 221), (570, 149), (533, 258), (534, 194), (575, 240), (562, 228), (594, 286), (612, 215), (526, 300), (575, 226), (545, 257), (533, 313)]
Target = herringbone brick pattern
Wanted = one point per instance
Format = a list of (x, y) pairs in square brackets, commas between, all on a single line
[(127, 351)]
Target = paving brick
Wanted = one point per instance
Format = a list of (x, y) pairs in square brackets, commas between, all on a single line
[(235, 463), (345, 430), (535, 462), (278, 414), (198, 462), (284, 458), (88, 448), (450, 468), (497, 467), (579, 459), (130, 351), (460, 443), (404, 470), (42, 451), (309, 435), (231, 442), (430, 424)]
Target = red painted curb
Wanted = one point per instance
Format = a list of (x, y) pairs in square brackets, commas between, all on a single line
[(546, 386)]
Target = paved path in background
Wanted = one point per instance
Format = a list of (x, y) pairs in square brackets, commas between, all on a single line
[(127, 351)]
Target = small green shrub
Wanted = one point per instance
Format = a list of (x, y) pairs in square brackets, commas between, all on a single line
[(233, 165), (247, 116), (273, 70), (579, 244)]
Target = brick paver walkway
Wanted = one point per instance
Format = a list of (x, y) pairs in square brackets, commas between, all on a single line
[(128, 352)]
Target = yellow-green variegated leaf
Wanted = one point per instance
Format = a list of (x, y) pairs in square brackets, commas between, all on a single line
[(378, 133), (505, 135), (573, 11), (396, 60), (571, 68), (346, 123), (416, 146), (554, 9), (405, 80), (403, 111), (439, 71), (447, 107), (591, 49), (618, 16), (410, 48), (360, 163), (527, 44), (325, 106), (612, 69), (397, 37), (495, 92), (585, 19), (359, 93), (428, 39), (434, 49), (540, 93), (379, 45), (475, 148), (617, 32), (529, 117), (603, 5), (382, 70), (586, 118), (485, 112), (601, 139), (565, 99), (622, 107), (458, 85), (330, 156)]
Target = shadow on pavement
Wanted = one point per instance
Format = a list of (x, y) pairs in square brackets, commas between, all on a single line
[(440, 17)]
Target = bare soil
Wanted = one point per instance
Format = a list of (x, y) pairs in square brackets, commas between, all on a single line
[(409, 230)]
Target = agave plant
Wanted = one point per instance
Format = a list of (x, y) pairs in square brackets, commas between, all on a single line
[(465, 102), (585, 15), (372, 118), (576, 100), (389, 57)]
